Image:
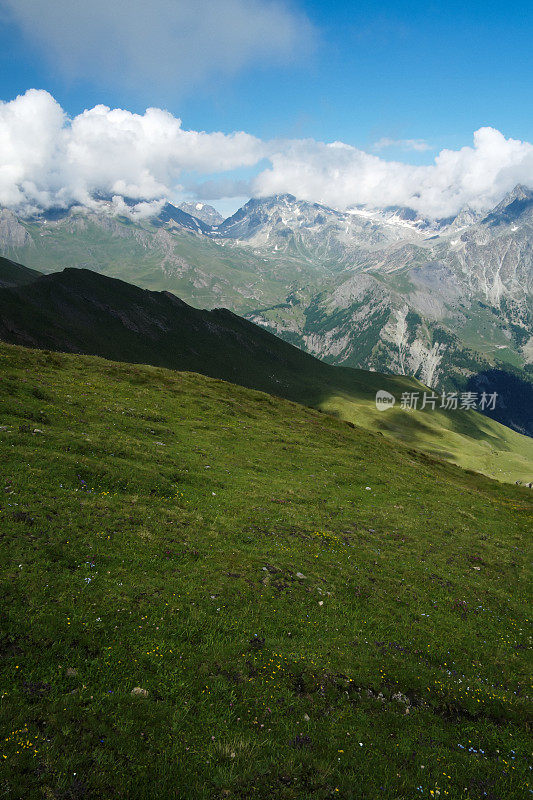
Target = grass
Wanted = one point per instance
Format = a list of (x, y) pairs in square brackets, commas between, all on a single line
[(313, 611)]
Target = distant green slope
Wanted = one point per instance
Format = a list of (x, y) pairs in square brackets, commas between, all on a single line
[(313, 612), (202, 271), (342, 305), (81, 311)]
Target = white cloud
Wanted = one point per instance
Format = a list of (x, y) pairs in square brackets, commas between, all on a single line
[(418, 145), (340, 176), (48, 159), (143, 210), (177, 44)]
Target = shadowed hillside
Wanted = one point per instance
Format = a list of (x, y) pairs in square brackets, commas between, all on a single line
[(13, 274)]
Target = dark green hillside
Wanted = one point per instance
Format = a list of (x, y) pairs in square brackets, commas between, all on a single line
[(310, 610), (82, 311), (13, 274)]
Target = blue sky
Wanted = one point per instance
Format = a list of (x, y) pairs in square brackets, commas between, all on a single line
[(436, 71), (425, 75)]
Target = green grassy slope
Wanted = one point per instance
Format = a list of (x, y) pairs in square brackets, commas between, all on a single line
[(313, 611), (467, 438), (81, 311)]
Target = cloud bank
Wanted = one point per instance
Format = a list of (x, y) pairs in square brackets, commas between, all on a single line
[(48, 160), (162, 42), (339, 175)]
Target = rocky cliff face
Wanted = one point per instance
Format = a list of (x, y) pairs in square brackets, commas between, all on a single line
[(436, 306), (13, 235)]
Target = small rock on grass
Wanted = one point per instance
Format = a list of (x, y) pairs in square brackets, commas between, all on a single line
[(139, 692)]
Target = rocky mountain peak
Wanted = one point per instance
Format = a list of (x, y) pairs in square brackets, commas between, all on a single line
[(202, 211), (514, 205)]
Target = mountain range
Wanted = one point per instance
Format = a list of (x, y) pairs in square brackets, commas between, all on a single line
[(448, 301)]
